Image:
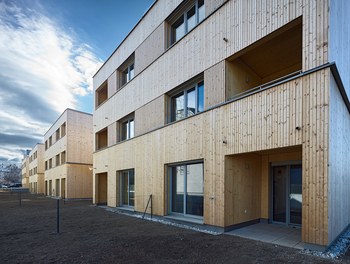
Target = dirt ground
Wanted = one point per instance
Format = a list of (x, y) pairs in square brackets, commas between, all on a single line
[(90, 234)]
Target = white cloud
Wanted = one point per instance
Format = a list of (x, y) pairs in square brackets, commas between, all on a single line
[(43, 69)]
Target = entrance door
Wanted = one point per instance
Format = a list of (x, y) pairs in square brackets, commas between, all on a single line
[(287, 194)]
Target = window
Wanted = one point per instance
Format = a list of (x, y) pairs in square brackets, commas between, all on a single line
[(63, 157), (127, 127), (46, 167), (46, 147), (127, 188), (63, 129), (50, 141), (128, 74), (184, 23), (126, 71), (57, 134), (101, 94), (50, 163), (188, 102), (186, 185), (101, 139), (57, 160)]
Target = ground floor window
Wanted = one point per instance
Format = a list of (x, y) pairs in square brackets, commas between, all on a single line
[(127, 188), (186, 187)]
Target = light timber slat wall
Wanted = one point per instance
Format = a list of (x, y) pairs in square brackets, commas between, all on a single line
[(339, 39), (155, 16), (242, 188), (315, 157), (80, 137), (260, 124), (214, 82), (38, 163), (78, 146), (150, 49), (339, 170), (200, 137), (241, 24), (150, 116), (212, 5)]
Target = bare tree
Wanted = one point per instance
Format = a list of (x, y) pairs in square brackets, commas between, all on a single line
[(11, 173)]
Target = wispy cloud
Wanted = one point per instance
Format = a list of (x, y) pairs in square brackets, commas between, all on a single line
[(43, 69)]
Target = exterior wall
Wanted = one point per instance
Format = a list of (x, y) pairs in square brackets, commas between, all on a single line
[(248, 183), (78, 146), (339, 39), (265, 120), (80, 138), (25, 172), (37, 179), (214, 81), (150, 116), (201, 50), (150, 49), (339, 170), (291, 114), (152, 19)]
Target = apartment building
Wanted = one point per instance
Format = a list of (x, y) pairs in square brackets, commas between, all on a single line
[(36, 169), (68, 156), (25, 171), (229, 113)]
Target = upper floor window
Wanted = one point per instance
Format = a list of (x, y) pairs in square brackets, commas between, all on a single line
[(101, 94), (101, 139), (63, 129), (127, 127), (189, 101), (63, 157), (126, 71), (128, 74), (188, 19), (57, 134)]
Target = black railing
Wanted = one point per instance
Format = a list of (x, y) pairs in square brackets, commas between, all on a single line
[(149, 203), (265, 85)]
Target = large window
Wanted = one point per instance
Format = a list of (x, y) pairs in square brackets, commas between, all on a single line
[(184, 23), (127, 188), (127, 128), (186, 185), (188, 102)]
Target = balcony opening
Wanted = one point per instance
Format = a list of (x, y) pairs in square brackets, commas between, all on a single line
[(101, 139), (101, 94), (273, 58)]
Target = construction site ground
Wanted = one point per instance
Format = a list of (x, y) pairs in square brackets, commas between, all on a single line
[(91, 234)]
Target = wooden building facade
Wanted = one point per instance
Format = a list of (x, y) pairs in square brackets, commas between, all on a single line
[(229, 113), (68, 156), (25, 171), (36, 169)]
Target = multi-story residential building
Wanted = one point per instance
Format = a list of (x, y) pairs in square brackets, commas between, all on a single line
[(36, 169), (229, 113), (68, 156), (25, 171)]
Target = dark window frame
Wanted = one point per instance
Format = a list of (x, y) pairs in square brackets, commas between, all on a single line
[(195, 86)]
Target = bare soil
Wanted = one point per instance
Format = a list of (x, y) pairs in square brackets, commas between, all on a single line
[(90, 234)]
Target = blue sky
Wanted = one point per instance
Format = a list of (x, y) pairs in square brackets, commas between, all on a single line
[(49, 51)]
